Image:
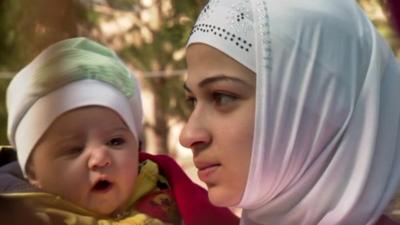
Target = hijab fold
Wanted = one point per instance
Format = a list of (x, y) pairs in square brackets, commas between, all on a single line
[(326, 146)]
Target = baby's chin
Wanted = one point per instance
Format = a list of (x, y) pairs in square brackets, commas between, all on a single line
[(104, 210), (112, 208)]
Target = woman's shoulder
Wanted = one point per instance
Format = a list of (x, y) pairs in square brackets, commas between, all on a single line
[(385, 220)]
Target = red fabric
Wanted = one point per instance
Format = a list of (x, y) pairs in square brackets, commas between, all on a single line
[(192, 200), (384, 220), (159, 204)]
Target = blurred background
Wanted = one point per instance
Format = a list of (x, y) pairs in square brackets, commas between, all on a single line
[(149, 35)]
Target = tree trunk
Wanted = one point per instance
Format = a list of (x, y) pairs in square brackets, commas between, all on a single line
[(160, 128)]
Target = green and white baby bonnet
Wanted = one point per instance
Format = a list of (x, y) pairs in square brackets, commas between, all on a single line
[(70, 74)]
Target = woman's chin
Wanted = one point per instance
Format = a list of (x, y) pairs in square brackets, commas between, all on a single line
[(222, 198)]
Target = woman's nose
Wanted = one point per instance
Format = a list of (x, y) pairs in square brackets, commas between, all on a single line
[(99, 158), (195, 134)]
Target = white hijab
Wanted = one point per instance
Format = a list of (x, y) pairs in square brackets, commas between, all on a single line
[(326, 148)]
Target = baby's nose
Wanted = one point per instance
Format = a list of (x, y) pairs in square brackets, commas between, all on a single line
[(99, 159)]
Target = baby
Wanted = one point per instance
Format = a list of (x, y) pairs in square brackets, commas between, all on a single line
[(75, 117)]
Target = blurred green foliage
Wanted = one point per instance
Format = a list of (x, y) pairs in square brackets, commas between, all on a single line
[(3, 113), (26, 29), (29, 26)]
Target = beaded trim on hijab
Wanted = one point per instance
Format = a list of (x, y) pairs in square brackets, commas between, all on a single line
[(229, 28)]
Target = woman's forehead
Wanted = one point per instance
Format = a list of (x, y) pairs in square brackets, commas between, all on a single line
[(205, 59)]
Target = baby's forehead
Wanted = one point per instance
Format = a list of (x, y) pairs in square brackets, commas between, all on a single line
[(94, 119)]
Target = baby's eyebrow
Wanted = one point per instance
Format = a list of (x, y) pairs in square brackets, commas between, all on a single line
[(68, 136), (119, 129)]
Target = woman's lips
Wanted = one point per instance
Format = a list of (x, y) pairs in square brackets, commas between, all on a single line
[(206, 171)]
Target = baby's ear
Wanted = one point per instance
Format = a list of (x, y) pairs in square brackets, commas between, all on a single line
[(31, 176)]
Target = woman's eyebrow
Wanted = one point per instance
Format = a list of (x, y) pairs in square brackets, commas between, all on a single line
[(222, 77), (217, 78)]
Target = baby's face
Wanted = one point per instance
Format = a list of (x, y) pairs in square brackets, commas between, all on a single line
[(87, 156)]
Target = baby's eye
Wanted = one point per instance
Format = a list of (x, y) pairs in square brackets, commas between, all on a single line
[(72, 151), (116, 141), (222, 99)]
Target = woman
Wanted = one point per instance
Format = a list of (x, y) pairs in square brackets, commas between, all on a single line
[(295, 118)]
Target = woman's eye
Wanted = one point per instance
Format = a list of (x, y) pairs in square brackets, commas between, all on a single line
[(222, 99), (116, 142), (190, 101)]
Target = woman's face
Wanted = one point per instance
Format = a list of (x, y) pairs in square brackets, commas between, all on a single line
[(220, 128)]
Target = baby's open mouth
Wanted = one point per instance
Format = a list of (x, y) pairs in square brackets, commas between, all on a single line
[(102, 185)]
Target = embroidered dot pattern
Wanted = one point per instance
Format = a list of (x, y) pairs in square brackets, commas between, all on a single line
[(208, 9), (265, 35), (224, 34), (240, 18)]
